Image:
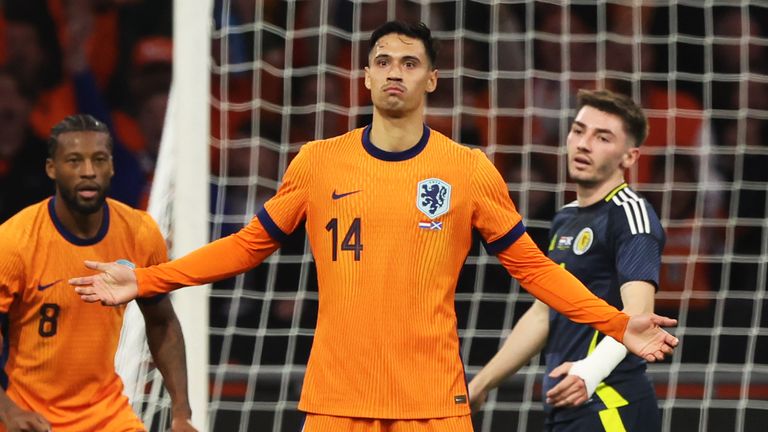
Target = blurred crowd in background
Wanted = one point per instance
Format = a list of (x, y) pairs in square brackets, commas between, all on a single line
[(706, 99), (108, 58)]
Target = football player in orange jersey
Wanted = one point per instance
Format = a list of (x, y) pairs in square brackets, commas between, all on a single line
[(390, 227), (59, 353)]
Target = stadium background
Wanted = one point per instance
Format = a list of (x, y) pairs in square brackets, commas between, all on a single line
[(284, 72)]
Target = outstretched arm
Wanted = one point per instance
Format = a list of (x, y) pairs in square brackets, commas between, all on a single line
[(646, 338), (116, 284), (641, 334), (527, 339), (166, 343)]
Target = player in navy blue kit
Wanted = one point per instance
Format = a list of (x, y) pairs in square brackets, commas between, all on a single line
[(611, 239)]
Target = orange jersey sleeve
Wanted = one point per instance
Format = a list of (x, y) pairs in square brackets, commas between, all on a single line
[(494, 213), (218, 260), (244, 249), (559, 289), (11, 268), (288, 208)]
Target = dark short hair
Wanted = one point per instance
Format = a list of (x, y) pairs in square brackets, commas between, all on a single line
[(417, 31), (76, 123), (632, 116)]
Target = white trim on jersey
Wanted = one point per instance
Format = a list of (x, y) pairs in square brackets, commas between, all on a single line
[(574, 203), (646, 219), (630, 219), (643, 208), (643, 204), (636, 211)]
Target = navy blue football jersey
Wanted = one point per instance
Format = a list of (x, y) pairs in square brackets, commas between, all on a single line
[(616, 240)]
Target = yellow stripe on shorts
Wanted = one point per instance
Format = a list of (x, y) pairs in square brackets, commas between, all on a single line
[(612, 399), (611, 420)]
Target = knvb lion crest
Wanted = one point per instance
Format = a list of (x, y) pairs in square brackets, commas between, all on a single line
[(433, 197)]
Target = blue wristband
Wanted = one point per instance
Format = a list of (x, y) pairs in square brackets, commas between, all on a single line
[(126, 263)]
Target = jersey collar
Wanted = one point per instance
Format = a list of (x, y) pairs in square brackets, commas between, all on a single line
[(615, 190), (75, 240), (394, 156), (605, 200)]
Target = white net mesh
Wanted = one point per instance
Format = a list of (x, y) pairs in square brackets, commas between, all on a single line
[(133, 361), (289, 71)]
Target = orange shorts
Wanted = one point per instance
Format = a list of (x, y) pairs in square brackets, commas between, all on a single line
[(324, 423)]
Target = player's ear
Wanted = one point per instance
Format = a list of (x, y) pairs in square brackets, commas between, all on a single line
[(630, 157), (50, 170), (432, 81), (367, 77)]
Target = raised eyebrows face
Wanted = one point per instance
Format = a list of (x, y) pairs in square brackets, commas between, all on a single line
[(82, 170), (399, 75)]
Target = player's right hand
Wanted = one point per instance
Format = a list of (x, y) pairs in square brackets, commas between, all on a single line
[(18, 420), (114, 285), (571, 391)]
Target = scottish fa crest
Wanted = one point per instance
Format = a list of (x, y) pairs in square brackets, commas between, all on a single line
[(583, 241), (433, 197)]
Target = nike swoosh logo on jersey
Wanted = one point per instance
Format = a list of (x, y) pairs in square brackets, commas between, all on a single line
[(46, 286), (336, 196)]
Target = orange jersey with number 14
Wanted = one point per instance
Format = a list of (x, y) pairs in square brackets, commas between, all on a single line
[(389, 233), (60, 351)]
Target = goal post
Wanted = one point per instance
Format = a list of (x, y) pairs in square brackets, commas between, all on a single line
[(179, 203), (190, 118)]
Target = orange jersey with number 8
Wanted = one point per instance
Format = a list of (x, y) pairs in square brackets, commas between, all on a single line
[(60, 351)]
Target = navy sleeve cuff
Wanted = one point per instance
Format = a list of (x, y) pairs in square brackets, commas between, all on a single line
[(273, 230), (506, 240)]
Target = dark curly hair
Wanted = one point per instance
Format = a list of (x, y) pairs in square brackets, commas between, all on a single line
[(76, 123)]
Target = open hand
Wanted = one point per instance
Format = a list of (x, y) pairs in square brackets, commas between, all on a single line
[(115, 285), (645, 337)]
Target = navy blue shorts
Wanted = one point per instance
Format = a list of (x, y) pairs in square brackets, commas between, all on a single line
[(640, 416)]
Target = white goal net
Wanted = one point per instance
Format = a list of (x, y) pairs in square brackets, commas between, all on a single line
[(285, 72)]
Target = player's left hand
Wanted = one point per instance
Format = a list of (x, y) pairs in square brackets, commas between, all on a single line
[(180, 424), (570, 392), (645, 337)]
